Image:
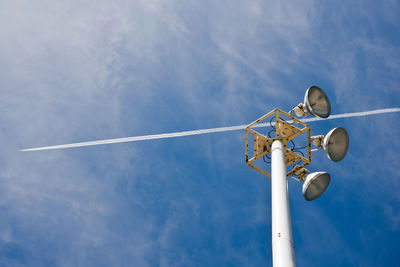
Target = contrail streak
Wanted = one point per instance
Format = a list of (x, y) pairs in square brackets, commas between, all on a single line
[(203, 131)]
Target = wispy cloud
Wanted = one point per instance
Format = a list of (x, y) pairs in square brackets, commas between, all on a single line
[(77, 70)]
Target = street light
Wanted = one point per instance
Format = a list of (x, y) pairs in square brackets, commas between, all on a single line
[(283, 153)]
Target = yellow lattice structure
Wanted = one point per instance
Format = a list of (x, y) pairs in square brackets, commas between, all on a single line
[(285, 130)]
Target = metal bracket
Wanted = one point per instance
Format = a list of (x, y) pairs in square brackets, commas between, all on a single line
[(284, 131)]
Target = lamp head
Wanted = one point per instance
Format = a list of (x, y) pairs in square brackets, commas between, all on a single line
[(336, 143), (316, 102), (315, 184)]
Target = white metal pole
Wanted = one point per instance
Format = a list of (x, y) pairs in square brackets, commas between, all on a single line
[(282, 240)]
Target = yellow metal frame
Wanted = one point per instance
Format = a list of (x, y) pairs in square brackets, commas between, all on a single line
[(284, 131)]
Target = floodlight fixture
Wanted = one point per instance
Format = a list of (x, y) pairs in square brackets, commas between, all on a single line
[(336, 143), (316, 102), (315, 184)]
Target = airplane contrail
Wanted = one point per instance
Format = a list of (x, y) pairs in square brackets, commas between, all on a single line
[(203, 131)]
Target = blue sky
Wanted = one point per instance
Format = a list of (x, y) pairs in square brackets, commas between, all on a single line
[(77, 71)]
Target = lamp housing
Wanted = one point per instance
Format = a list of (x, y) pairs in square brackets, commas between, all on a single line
[(336, 143), (316, 102), (315, 184)]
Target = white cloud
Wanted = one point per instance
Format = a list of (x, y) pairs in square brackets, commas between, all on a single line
[(81, 70)]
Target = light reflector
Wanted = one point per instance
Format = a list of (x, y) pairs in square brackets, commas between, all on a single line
[(317, 103), (315, 184), (336, 143)]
